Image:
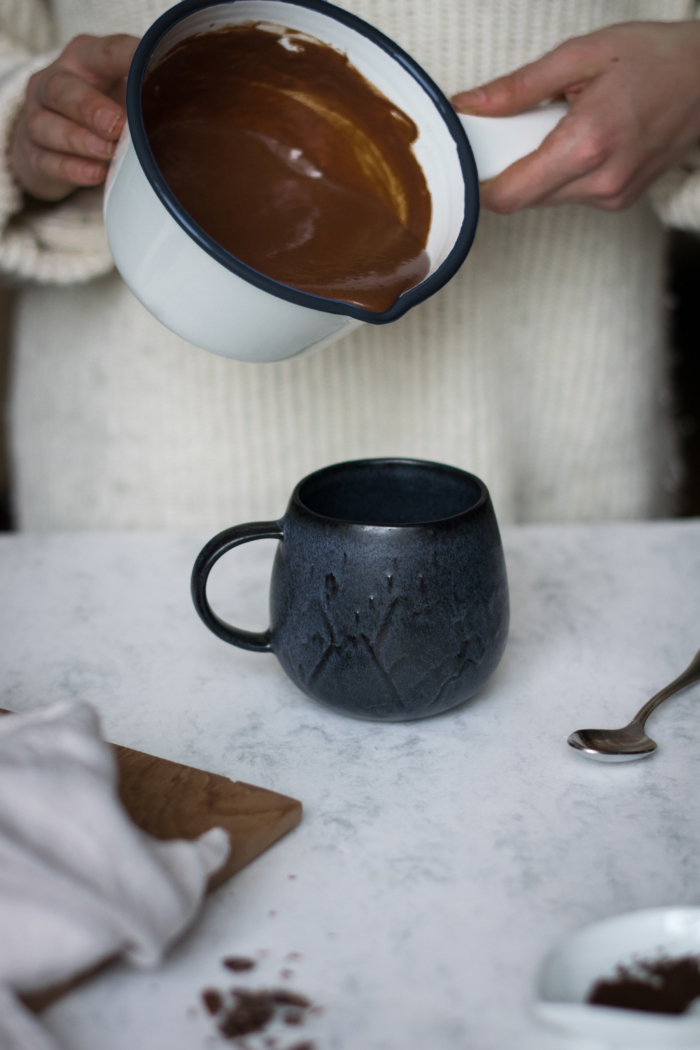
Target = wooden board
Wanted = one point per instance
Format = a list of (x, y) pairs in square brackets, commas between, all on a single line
[(172, 801)]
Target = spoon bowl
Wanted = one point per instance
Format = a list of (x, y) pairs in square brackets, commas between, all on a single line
[(631, 742), (613, 745)]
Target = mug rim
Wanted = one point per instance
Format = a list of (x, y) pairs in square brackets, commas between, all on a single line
[(420, 292), (298, 502)]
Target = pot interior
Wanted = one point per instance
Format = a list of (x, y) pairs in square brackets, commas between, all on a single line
[(435, 147)]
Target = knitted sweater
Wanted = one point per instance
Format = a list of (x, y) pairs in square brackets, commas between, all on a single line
[(539, 366)]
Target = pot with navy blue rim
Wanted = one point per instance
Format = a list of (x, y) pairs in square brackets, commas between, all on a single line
[(204, 293), (389, 597)]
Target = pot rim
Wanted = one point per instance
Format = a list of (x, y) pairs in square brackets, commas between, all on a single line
[(406, 300)]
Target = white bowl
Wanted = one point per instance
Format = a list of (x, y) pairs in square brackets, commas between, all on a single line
[(569, 972)]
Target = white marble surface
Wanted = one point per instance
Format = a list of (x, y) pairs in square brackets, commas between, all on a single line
[(437, 860)]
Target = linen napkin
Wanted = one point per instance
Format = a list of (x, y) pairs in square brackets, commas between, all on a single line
[(78, 881)]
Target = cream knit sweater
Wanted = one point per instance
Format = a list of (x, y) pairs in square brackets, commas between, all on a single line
[(539, 367)]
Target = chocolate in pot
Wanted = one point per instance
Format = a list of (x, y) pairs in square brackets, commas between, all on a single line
[(284, 154)]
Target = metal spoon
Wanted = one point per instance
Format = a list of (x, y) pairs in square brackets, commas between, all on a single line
[(630, 742)]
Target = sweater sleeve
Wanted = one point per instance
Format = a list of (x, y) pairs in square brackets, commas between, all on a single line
[(675, 196), (58, 243)]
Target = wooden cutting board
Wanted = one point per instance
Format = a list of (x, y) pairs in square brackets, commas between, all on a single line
[(169, 801), (172, 801)]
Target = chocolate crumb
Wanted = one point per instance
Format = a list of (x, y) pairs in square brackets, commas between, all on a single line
[(238, 963), (285, 998), (661, 986), (250, 1014), (253, 1010), (291, 876), (292, 956), (272, 914), (286, 973), (308, 1045), (212, 1000)]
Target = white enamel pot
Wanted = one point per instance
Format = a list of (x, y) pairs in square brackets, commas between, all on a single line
[(206, 295)]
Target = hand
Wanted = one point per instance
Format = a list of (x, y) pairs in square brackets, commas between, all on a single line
[(634, 90), (72, 116)]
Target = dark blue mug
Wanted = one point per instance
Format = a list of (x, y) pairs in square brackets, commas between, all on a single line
[(389, 597)]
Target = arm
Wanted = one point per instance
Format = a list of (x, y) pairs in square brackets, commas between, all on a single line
[(72, 117), (50, 144), (634, 90)]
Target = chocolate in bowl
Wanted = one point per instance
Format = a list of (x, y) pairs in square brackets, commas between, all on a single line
[(292, 161)]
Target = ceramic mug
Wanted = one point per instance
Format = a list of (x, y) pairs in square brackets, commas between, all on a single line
[(202, 292), (389, 597)]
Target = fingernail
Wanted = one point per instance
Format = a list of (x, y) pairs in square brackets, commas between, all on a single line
[(477, 97), (107, 120), (99, 147)]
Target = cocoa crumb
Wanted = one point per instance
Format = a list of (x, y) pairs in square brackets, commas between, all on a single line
[(307, 1045), (250, 1014), (238, 963), (661, 986), (286, 973), (212, 1000), (285, 998), (242, 1011)]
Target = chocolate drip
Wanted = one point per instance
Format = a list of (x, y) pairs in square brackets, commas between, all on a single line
[(281, 151)]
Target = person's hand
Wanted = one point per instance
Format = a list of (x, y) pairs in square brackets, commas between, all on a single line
[(634, 90), (72, 117)]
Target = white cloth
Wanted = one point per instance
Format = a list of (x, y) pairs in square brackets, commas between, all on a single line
[(540, 367), (78, 881)]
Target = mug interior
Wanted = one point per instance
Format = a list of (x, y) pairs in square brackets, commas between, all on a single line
[(435, 148), (390, 492)]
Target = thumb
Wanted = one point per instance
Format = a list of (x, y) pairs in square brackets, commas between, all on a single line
[(524, 88)]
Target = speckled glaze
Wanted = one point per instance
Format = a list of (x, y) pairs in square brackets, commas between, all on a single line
[(389, 597)]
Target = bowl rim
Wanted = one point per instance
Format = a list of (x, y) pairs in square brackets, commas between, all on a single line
[(422, 291)]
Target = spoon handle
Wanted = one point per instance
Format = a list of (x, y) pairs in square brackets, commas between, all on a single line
[(690, 675)]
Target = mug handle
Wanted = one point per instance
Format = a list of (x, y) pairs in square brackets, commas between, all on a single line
[(255, 641)]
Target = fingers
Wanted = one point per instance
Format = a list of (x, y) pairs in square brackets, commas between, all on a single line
[(572, 150), (49, 175), (100, 60), (68, 95), (567, 66), (54, 132), (612, 188), (71, 120)]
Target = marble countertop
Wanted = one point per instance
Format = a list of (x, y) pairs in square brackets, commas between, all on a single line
[(437, 860)]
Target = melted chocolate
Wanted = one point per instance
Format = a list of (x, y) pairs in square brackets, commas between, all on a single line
[(278, 148)]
